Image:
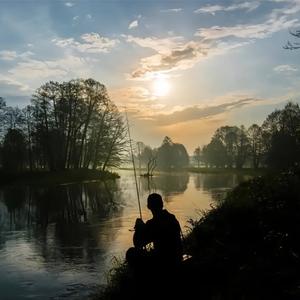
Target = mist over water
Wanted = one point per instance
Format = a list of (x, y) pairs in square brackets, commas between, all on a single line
[(60, 241)]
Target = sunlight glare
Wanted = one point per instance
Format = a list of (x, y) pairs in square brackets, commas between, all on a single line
[(161, 87)]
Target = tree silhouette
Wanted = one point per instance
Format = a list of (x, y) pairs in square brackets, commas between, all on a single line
[(14, 151), (171, 155), (197, 156), (69, 125)]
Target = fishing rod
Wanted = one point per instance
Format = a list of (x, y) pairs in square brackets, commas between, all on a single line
[(133, 164)]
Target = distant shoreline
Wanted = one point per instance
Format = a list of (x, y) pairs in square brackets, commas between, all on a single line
[(201, 170), (54, 177), (243, 171)]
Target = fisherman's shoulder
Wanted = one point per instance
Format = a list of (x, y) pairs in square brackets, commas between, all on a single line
[(150, 222), (168, 214)]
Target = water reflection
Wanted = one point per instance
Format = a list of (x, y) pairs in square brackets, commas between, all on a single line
[(59, 240), (59, 231), (218, 184), (62, 204), (167, 184)]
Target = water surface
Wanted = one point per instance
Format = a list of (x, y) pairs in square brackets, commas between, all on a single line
[(60, 241)]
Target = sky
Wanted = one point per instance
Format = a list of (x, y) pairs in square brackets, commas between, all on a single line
[(181, 68)]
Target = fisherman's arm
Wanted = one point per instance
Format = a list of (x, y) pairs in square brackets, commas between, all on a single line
[(140, 232), (143, 233)]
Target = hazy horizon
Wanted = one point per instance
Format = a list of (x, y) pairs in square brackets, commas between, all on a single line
[(182, 68)]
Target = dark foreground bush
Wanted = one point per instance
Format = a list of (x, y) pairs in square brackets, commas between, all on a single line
[(245, 248)]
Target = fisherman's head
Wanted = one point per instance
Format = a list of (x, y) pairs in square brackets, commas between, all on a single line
[(154, 202)]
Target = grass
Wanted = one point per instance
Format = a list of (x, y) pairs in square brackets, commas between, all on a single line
[(246, 248)]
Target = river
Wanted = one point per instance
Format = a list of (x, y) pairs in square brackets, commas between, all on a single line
[(60, 241)]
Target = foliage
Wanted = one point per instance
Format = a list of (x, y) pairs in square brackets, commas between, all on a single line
[(69, 125), (197, 156), (244, 248), (171, 155), (249, 243), (13, 151), (275, 144)]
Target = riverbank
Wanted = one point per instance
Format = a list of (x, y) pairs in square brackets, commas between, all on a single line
[(243, 171), (54, 177), (201, 170), (247, 247)]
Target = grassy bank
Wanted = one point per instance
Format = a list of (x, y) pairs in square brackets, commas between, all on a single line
[(54, 177), (245, 248)]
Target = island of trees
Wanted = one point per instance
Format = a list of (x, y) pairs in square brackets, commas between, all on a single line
[(68, 126)]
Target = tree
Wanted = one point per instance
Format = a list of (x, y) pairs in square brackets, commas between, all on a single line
[(227, 135), (197, 156), (281, 132), (77, 125), (2, 119), (242, 147), (214, 154), (14, 151), (171, 155), (284, 151), (255, 137), (236, 144)]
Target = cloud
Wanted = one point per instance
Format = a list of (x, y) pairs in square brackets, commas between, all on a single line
[(292, 7), (9, 85), (133, 97), (28, 74), (181, 58), (173, 54), (133, 24), (88, 16), (12, 55), (69, 4), (171, 10), (32, 69), (75, 18), (132, 92), (197, 113), (161, 45), (91, 43), (8, 55), (212, 9), (248, 31), (288, 69), (139, 102)]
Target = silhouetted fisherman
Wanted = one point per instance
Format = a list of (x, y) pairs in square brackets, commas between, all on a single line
[(163, 230)]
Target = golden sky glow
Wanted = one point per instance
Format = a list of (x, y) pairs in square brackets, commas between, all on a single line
[(166, 61), (161, 86)]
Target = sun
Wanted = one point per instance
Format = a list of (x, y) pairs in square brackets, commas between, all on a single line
[(161, 87)]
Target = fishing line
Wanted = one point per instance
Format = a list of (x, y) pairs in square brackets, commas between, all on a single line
[(133, 164)]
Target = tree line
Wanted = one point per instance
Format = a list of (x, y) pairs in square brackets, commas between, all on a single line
[(169, 156), (68, 125), (274, 144)]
